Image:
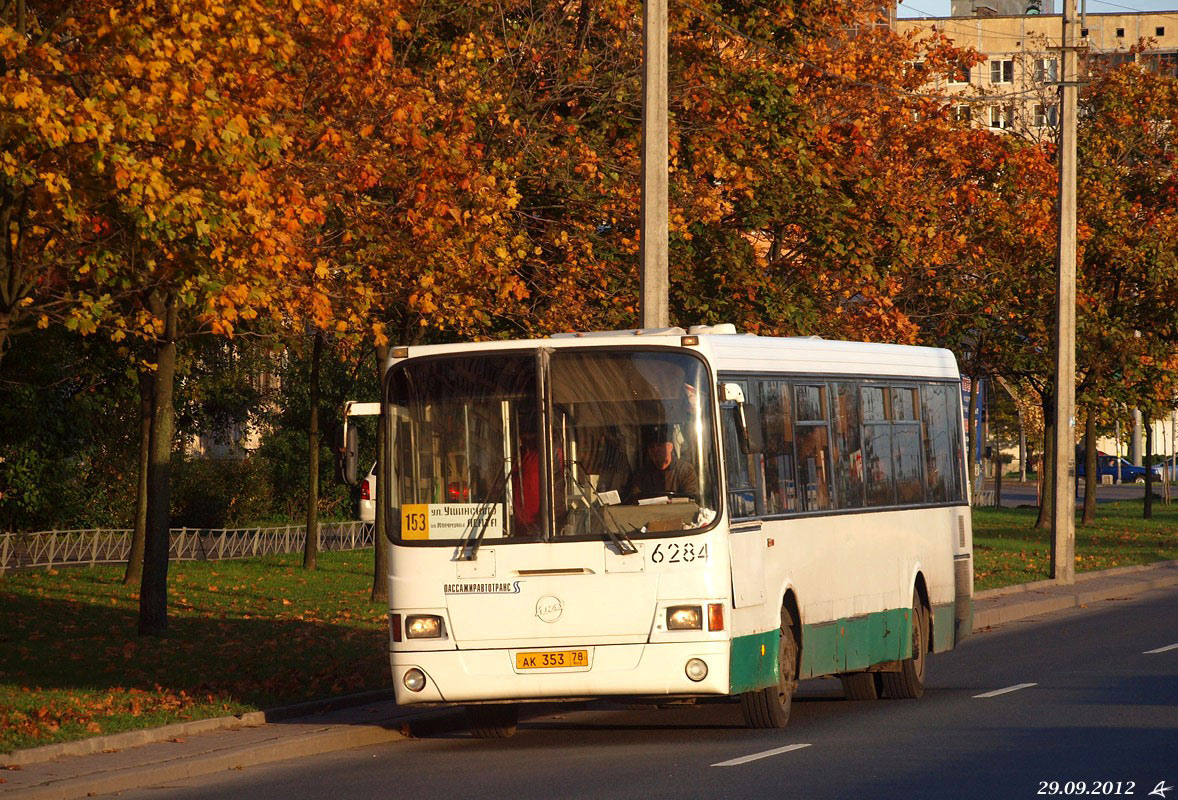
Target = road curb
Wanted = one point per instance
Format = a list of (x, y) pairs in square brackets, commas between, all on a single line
[(1043, 603), (180, 730), (342, 737)]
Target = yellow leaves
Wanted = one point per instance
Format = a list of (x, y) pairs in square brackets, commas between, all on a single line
[(236, 128), (21, 99), (122, 178), (134, 65)]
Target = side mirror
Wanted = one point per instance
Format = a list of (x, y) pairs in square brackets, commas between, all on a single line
[(748, 425), (748, 419), (347, 456)]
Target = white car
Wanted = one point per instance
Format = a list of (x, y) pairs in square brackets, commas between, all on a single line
[(368, 496)]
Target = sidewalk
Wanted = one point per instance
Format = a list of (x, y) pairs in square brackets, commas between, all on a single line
[(995, 606), (147, 758)]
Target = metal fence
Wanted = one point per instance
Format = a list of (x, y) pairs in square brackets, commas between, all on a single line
[(112, 546)]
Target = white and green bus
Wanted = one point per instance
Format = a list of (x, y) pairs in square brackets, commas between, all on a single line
[(671, 514)]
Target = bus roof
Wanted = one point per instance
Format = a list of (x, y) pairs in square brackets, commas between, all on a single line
[(729, 352)]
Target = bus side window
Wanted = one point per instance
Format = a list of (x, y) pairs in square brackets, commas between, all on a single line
[(811, 431), (877, 446), (939, 422), (848, 453), (740, 469), (910, 489), (780, 480)]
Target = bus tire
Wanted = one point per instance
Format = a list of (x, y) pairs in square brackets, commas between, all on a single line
[(769, 707), (861, 685), (908, 683), (496, 721)]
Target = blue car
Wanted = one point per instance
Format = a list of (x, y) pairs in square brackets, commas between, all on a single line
[(1107, 465)]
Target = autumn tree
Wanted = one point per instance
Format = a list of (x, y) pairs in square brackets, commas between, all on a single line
[(1128, 281), (179, 112)]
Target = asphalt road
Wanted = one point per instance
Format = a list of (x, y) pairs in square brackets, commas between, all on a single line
[(1016, 494), (1083, 702)]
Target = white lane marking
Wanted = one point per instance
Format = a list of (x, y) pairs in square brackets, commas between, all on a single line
[(1161, 649), (1014, 688), (765, 754)]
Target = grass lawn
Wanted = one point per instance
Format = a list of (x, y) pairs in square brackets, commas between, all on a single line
[(253, 634), (243, 635), (1008, 550)]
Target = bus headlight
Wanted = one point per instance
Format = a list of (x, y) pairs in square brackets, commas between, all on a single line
[(414, 679), (696, 669), (684, 618), (424, 626)]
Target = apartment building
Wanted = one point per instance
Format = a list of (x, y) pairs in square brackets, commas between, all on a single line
[(1014, 88)]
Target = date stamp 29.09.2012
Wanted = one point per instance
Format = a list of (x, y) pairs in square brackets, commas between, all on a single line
[(1105, 788)]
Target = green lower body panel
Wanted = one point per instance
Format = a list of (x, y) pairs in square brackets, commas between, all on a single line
[(844, 645), (753, 663), (855, 643)]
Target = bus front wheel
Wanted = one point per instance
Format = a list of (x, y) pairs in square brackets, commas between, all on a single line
[(496, 721), (769, 707), (908, 683)]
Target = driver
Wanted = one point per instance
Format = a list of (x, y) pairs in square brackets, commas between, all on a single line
[(662, 472)]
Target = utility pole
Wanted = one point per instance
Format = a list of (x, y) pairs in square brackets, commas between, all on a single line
[(1063, 519), (654, 281)]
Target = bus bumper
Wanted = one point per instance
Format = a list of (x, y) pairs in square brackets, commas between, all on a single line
[(458, 676)]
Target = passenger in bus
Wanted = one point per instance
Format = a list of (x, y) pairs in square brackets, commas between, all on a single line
[(662, 472), (525, 486)]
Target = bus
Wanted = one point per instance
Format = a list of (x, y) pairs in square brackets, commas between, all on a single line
[(671, 514)]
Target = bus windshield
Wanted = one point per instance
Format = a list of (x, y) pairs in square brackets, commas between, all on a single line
[(551, 445)]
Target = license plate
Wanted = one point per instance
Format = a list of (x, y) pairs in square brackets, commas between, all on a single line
[(552, 659)]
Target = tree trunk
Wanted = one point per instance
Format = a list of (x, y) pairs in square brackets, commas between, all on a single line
[(5, 323), (1090, 468), (1022, 448), (153, 592), (380, 556), (1046, 482), (134, 572), (997, 475), (311, 546), (1147, 513)]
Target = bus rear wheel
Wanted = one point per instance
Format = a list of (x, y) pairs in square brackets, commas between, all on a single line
[(908, 683), (769, 707), (861, 685), (496, 721)]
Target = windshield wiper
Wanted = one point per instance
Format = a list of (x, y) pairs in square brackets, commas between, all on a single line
[(470, 547), (623, 542)]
